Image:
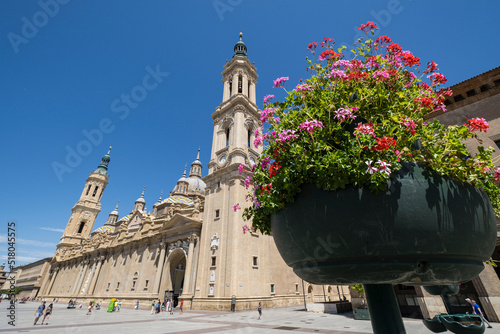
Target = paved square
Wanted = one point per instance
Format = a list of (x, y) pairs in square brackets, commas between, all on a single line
[(128, 320)]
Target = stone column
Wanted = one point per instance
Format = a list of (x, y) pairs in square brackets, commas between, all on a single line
[(96, 274), (156, 285), (252, 92), (227, 93), (245, 85), (235, 84), (186, 289), (430, 305), (82, 277), (75, 287), (487, 286), (53, 279)]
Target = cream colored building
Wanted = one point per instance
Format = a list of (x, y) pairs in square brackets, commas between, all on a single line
[(191, 245)]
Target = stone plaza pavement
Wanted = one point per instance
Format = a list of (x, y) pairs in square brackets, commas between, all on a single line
[(128, 320)]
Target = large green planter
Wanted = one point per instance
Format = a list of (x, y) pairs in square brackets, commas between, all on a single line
[(425, 229)]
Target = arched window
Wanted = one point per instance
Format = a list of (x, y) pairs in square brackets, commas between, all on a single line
[(80, 228), (95, 191), (88, 189), (230, 88), (227, 137), (248, 88), (240, 84), (249, 136)]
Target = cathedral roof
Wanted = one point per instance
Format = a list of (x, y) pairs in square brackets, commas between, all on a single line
[(105, 228), (141, 199), (196, 184), (125, 218), (178, 199)]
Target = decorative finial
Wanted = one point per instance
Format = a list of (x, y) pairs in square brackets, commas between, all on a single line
[(110, 149), (116, 208), (241, 35), (185, 167), (161, 194), (198, 156), (143, 189)]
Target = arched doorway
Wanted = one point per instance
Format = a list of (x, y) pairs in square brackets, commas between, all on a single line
[(173, 275)]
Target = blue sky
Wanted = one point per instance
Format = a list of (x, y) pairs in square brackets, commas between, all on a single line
[(65, 66)]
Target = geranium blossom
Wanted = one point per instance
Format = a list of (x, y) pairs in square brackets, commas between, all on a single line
[(326, 41), (344, 113), (286, 135), (477, 124), (383, 167), (267, 98), (280, 82), (248, 181), (303, 87), (384, 143), (364, 129), (345, 63), (437, 78), (236, 207), (241, 168), (371, 169), (337, 74), (312, 46), (367, 26), (309, 126), (266, 114), (497, 174), (380, 74)]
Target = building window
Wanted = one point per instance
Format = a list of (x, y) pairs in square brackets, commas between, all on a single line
[(272, 288), (213, 261), (458, 98), (146, 286), (498, 143), (230, 88), (218, 184), (100, 195), (217, 213), (484, 88), (95, 191), (497, 82), (227, 137), (255, 262), (117, 286), (107, 288), (249, 136), (240, 86), (88, 190), (296, 287), (211, 289), (80, 229), (471, 92), (133, 284)]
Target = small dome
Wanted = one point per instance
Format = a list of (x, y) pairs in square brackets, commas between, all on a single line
[(141, 199), (196, 184), (115, 211)]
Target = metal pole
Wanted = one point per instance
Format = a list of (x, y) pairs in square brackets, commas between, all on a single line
[(304, 294), (384, 309), (324, 295)]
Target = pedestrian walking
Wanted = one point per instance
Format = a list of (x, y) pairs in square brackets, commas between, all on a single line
[(137, 305), (181, 305), (259, 308), (477, 310), (153, 307), (119, 305), (170, 307), (48, 312), (89, 309), (39, 312)]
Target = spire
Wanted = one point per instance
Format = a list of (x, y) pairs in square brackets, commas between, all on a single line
[(103, 166), (159, 199), (115, 211), (185, 167), (240, 49), (198, 155), (141, 199)]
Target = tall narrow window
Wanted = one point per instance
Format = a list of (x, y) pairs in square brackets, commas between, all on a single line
[(80, 228), (249, 136), (227, 137), (272, 288), (95, 191), (100, 195), (230, 88), (240, 86), (88, 189), (248, 89)]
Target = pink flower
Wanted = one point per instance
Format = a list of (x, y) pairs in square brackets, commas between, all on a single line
[(286, 135), (303, 87), (497, 174), (241, 168), (267, 98), (247, 182), (437, 78), (309, 126), (266, 114), (280, 82), (345, 63), (343, 113), (364, 129), (337, 74), (371, 169), (383, 167), (380, 74), (236, 207)]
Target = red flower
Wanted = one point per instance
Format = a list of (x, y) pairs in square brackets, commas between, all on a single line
[(393, 48), (437, 78), (330, 54), (326, 41), (426, 102), (431, 67), (409, 59), (273, 169), (367, 26), (312, 46), (382, 40), (384, 143), (477, 124)]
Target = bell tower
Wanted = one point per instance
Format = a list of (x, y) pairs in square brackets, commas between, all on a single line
[(85, 211), (231, 262)]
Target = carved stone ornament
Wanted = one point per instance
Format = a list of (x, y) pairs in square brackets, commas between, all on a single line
[(85, 215), (214, 243)]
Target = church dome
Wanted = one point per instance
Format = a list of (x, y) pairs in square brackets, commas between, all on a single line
[(195, 184), (240, 49)]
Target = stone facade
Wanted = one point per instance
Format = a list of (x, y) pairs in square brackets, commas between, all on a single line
[(30, 277)]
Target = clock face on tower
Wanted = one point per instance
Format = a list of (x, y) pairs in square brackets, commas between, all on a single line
[(252, 161), (222, 159)]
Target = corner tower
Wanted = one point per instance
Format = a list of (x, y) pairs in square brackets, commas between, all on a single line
[(85, 211)]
